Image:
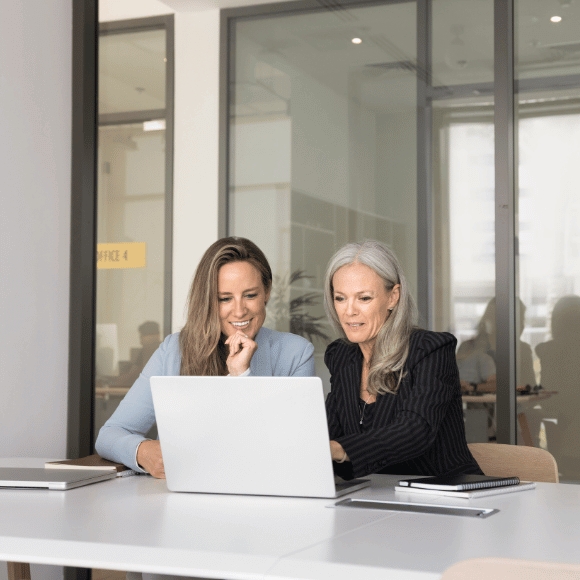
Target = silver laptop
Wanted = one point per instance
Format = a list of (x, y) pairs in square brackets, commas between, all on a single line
[(246, 435), (41, 478)]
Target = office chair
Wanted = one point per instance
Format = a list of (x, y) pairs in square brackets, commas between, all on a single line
[(18, 571), (527, 463), (508, 569)]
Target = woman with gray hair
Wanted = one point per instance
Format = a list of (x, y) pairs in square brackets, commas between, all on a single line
[(395, 400)]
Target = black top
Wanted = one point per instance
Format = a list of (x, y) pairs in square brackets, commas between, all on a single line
[(366, 414), (418, 431)]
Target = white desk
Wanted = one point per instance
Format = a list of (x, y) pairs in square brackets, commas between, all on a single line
[(134, 523)]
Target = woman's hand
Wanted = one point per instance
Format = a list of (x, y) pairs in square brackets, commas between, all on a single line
[(242, 349), (337, 452), (150, 459)]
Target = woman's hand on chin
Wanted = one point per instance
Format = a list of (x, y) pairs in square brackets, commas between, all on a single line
[(242, 349)]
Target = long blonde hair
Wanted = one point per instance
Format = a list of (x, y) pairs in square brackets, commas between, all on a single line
[(203, 352), (392, 344)]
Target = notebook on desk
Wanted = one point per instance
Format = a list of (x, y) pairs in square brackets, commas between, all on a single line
[(246, 435), (466, 482)]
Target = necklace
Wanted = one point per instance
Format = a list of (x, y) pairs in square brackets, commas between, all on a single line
[(363, 409)]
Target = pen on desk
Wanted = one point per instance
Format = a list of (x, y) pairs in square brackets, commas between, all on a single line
[(126, 473)]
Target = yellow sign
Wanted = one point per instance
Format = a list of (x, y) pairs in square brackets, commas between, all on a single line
[(131, 255)]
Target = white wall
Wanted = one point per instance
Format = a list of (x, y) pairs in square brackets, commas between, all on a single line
[(35, 137), (35, 162)]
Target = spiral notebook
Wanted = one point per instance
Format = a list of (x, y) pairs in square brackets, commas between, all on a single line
[(474, 494), (459, 482)]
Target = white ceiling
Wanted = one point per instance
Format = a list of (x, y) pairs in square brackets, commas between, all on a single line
[(200, 5)]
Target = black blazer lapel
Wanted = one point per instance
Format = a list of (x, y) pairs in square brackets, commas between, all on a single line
[(349, 377)]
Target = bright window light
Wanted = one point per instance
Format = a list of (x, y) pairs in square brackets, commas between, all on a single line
[(556, 19), (356, 40), (156, 125)]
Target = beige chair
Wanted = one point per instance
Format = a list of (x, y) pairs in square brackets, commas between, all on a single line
[(508, 569), (527, 463), (18, 571)]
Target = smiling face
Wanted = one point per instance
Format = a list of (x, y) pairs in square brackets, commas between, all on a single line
[(242, 299), (362, 303)]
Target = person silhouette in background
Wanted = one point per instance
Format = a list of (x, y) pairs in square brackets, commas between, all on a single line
[(150, 339), (476, 360), (560, 363), (476, 357)]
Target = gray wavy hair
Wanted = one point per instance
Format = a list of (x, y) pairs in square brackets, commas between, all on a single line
[(392, 344)]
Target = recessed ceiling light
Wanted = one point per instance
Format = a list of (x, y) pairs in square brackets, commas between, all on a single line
[(356, 41), (556, 18)]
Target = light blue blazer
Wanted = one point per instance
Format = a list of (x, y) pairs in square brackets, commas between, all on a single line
[(279, 354)]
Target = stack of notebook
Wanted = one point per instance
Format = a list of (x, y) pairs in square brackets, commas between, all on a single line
[(466, 486)]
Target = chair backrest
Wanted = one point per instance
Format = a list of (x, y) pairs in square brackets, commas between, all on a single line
[(527, 463), (508, 569)]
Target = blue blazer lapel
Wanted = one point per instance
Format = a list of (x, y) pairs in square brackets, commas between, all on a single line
[(261, 363)]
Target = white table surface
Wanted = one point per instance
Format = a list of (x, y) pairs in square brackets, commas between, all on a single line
[(134, 523)]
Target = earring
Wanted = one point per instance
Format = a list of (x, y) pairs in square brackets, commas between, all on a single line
[(390, 309)]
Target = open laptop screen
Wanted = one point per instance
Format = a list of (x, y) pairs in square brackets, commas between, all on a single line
[(244, 435)]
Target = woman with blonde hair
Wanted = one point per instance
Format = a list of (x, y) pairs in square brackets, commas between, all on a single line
[(395, 400), (223, 335)]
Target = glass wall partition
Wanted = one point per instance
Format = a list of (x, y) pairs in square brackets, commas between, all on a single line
[(323, 147), (334, 116), (548, 106), (369, 118), (133, 204), (378, 119)]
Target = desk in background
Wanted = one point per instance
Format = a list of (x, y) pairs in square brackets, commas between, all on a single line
[(105, 391), (525, 400), (492, 397), (134, 523)]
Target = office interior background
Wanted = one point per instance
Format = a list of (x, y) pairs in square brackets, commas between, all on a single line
[(343, 121)]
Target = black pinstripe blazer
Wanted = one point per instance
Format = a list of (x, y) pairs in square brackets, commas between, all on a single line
[(418, 431)]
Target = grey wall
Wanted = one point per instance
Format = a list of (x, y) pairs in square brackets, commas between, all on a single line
[(35, 127)]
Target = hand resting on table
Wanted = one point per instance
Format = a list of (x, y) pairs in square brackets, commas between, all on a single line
[(149, 457)]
